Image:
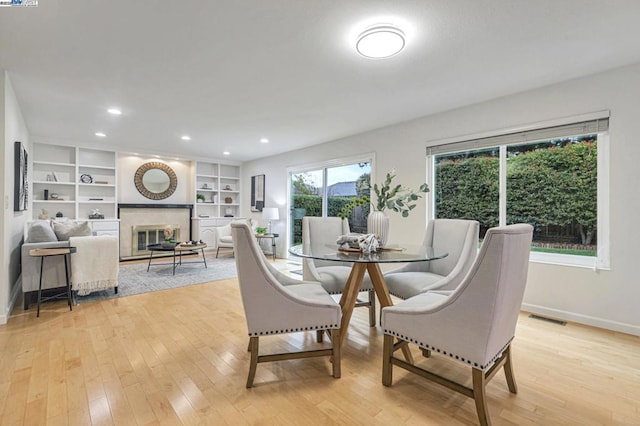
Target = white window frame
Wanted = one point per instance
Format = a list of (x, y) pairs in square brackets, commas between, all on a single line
[(466, 143)]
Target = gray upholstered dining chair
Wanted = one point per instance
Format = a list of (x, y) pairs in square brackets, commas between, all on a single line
[(457, 237), (272, 307), (473, 324), (322, 231)]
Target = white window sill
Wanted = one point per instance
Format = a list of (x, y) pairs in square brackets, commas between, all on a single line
[(588, 262)]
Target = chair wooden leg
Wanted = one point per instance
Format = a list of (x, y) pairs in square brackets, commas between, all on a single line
[(253, 365), (217, 252), (387, 367), (508, 372), (372, 308), (479, 387), (319, 335), (336, 353)]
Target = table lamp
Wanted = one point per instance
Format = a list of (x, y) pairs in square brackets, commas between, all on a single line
[(270, 213)]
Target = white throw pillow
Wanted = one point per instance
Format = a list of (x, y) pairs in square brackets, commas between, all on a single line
[(65, 230), (41, 232)]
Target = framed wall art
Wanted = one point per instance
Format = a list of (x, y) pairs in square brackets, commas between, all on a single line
[(257, 193), (21, 182)]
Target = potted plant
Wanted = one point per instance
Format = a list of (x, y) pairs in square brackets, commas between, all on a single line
[(398, 198), (200, 198), (261, 231)]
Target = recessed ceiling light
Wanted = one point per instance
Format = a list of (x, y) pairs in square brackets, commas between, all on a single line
[(185, 138), (380, 41), (226, 153), (100, 135), (114, 111), (264, 140)]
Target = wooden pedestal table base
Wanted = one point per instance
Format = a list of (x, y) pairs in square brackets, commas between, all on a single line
[(350, 295)]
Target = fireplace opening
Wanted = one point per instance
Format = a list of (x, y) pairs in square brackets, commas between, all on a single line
[(144, 235)]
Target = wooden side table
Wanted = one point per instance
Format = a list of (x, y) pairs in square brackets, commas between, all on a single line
[(51, 252), (273, 241)]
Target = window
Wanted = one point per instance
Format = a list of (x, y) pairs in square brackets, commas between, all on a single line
[(323, 191), (553, 178)]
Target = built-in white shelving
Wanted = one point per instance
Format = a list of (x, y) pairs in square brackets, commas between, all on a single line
[(73, 181)]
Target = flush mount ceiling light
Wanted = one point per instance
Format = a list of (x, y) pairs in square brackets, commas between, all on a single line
[(100, 135), (226, 153), (114, 111), (380, 41), (185, 138), (264, 140)]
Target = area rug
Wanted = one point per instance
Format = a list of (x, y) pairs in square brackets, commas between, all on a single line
[(134, 278)]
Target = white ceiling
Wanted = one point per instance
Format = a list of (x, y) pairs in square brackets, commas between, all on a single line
[(230, 72)]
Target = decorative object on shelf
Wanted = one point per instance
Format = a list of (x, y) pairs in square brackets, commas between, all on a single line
[(205, 186), (203, 215), (200, 198), (86, 178), (228, 200), (54, 196), (44, 215), (96, 214), (214, 198), (101, 182), (46, 194), (21, 181), (228, 212), (257, 193), (261, 231), (227, 188), (269, 214), (52, 177), (59, 214), (155, 180)]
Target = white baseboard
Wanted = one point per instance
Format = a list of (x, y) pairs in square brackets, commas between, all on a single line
[(13, 298), (583, 319)]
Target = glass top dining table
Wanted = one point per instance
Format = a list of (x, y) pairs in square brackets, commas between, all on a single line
[(370, 263)]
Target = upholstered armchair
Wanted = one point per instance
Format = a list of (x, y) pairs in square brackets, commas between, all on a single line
[(473, 324), (457, 237), (322, 231), (273, 308), (223, 235), (223, 238)]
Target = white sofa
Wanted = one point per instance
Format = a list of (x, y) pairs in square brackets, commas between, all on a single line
[(51, 234)]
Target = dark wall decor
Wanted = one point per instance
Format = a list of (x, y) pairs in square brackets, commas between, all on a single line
[(21, 182), (155, 180), (257, 193)]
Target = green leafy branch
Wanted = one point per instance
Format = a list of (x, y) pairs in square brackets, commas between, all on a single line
[(398, 198)]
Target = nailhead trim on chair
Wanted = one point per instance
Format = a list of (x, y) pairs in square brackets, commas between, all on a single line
[(457, 357), (293, 330)]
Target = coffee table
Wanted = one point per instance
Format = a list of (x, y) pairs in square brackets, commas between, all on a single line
[(176, 248)]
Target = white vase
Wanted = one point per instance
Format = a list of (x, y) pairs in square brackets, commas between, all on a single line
[(378, 223)]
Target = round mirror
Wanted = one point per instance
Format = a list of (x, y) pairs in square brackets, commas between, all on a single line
[(155, 180)]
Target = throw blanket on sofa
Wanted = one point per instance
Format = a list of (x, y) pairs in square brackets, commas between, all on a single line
[(94, 266)]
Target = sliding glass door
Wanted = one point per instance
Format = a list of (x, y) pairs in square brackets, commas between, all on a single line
[(322, 191)]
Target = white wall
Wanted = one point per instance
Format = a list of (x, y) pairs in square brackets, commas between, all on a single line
[(127, 192), (606, 298), (12, 129)]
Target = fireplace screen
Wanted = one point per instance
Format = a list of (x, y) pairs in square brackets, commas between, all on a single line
[(142, 236)]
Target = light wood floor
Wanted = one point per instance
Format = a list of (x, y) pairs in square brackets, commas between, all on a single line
[(180, 357)]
